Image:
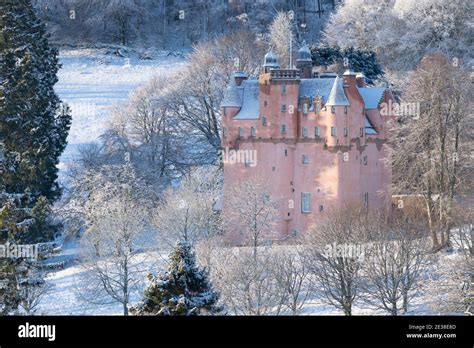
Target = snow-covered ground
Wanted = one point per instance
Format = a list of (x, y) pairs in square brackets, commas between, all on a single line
[(63, 299), (92, 80)]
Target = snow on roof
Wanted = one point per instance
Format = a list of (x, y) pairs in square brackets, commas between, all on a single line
[(337, 96), (369, 128), (371, 96), (232, 95), (314, 87), (250, 103), (240, 74)]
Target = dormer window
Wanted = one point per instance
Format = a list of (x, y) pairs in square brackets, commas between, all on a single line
[(305, 108), (318, 107), (283, 107)]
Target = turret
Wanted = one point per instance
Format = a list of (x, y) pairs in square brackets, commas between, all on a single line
[(270, 61), (304, 63)]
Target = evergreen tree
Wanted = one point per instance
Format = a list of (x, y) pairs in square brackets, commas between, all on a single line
[(183, 290), (358, 60), (33, 123)]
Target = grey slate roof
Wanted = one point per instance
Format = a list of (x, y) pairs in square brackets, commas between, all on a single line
[(371, 96), (314, 87), (232, 95), (337, 96), (250, 103), (331, 90), (369, 128)]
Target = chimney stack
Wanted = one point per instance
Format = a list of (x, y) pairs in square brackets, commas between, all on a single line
[(240, 76), (360, 80)]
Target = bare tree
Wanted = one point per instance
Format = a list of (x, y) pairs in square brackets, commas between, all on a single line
[(251, 211), (394, 264), (111, 248), (189, 212), (292, 276), (245, 282), (334, 251), (451, 284), (282, 37), (432, 152)]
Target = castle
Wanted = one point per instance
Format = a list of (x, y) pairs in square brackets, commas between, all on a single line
[(318, 139)]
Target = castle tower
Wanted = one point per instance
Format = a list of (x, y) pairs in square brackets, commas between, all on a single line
[(270, 61), (304, 63)]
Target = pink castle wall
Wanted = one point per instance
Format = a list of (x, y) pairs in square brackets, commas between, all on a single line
[(331, 181)]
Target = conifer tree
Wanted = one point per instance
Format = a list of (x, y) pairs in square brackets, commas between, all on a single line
[(183, 290), (33, 122)]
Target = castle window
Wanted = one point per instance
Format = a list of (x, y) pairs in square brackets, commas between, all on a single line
[(305, 159), (241, 132), (305, 202), (345, 109), (283, 129), (283, 89), (283, 107), (361, 131), (318, 107), (247, 161), (265, 103), (333, 109), (264, 121), (333, 131), (316, 132), (305, 132), (365, 160), (305, 108), (286, 153), (225, 132), (225, 111), (366, 200), (345, 132), (321, 208), (253, 132)]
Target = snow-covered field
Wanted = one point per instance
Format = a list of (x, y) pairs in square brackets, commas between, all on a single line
[(92, 80), (62, 299)]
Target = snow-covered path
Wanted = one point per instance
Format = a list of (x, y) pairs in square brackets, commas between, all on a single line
[(91, 81)]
